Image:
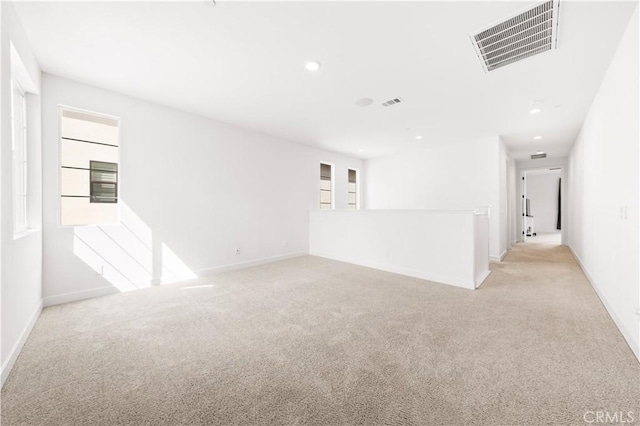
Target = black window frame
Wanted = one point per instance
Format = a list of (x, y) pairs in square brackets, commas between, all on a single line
[(94, 198)]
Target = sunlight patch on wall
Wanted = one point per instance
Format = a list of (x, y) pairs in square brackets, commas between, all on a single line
[(173, 268), (126, 256), (118, 249), (135, 225), (98, 264)]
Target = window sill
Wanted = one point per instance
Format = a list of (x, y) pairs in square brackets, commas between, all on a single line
[(25, 233)]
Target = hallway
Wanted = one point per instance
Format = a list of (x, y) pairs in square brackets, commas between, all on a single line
[(581, 357)]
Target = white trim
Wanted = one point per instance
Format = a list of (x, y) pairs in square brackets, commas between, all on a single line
[(23, 158), (249, 263), (79, 295), (484, 276), (564, 191), (499, 258), (17, 348), (634, 346)]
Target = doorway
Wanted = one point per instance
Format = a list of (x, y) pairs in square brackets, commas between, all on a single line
[(542, 205)]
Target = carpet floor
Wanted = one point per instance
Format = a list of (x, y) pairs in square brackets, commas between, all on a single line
[(314, 341)]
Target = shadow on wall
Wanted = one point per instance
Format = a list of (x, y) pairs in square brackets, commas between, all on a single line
[(127, 256)]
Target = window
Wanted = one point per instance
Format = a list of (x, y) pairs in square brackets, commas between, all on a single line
[(353, 190), (89, 154), (326, 186), (104, 182), (19, 156)]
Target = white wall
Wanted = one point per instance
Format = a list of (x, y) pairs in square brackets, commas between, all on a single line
[(440, 175), (542, 192), (21, 257), (604, 186), (193, 190), (449, 247)]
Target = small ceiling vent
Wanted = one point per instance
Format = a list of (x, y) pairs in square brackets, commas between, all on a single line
[(538, 156), (526, 34), (391, 102)]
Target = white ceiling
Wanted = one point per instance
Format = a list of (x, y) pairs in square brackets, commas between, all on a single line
[(243, 63)]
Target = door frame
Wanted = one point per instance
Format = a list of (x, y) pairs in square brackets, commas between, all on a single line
[(522, 172)]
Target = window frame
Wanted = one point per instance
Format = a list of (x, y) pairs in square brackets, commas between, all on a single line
[(357, 182), (61, 109), (24, 192), (333, 182)]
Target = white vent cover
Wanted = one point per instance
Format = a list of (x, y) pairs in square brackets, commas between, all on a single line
[(526, 34), (538, 156), (393, 101)]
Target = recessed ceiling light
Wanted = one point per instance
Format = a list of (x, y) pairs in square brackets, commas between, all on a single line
[(361, 150), (539, 152), (363, 102), (537, 138), (535, 107), (312, 66), (418, 137)]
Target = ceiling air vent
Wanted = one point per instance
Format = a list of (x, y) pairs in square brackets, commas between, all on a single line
[(538, 156), (391, 102), (526, 34)]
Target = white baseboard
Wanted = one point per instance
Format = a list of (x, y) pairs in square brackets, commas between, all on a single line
[(482, 278), (499, 258), (634, 346), (452, 281), (79, 295), (249, 263), (15, 351), (105, 291)]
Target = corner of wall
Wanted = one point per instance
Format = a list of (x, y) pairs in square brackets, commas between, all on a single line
[(7, 365), (22, 257)]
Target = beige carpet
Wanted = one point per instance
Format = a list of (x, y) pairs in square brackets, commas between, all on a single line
[(313, 341)]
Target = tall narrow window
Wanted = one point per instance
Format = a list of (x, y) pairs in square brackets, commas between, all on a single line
[(19, 156), (88, 168), (326, 184), (353, 190)]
